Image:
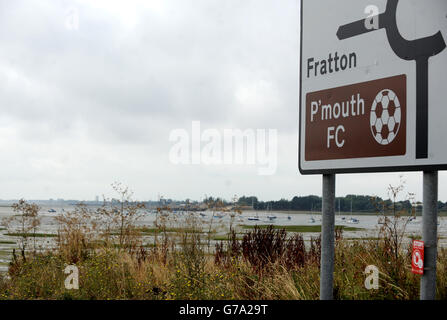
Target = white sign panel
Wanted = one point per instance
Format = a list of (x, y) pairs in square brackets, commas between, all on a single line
[(373, 93)]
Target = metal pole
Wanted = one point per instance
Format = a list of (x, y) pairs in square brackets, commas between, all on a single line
[(429, 234), (327, 238)]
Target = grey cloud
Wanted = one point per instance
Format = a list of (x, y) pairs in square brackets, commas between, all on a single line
[(82, 108)]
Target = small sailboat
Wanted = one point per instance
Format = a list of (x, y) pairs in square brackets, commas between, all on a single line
[(311, 219), (339, 214), (382, 219), (218, 215), (351, 219), (254, 218), (271, 217), (51, 210), (412, 218)]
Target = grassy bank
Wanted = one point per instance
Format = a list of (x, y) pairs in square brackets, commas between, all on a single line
[(31, 235)]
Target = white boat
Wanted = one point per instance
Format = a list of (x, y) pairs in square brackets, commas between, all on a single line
[(311, 220), (271, 218), (352, 220), (253, 218), (218, 215)]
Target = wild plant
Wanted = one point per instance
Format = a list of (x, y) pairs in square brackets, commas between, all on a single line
[(24, 224)]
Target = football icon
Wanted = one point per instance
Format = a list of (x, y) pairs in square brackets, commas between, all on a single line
[(385, 117)]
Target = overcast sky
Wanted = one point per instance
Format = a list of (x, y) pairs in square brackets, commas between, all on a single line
[(84, 105)]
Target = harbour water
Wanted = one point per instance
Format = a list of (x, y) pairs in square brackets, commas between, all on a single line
[(367, 226)]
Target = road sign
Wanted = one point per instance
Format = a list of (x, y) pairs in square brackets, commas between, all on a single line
[(372, 89), (417, 258)]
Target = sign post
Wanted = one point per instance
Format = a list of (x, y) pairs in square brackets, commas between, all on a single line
[(373, 101), (429, 234), (327, 238)]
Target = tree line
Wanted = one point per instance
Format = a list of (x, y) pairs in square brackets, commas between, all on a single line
[(356, 203)]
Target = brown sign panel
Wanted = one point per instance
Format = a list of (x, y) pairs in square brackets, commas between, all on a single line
[(357, 121)]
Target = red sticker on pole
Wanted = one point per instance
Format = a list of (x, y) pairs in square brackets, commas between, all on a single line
[(417, 259)]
